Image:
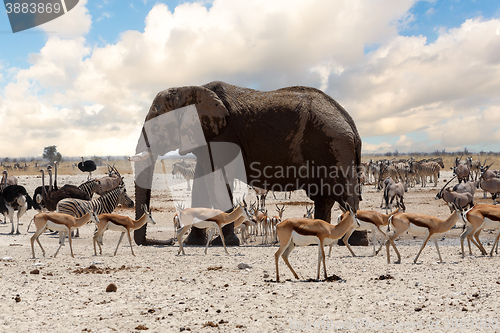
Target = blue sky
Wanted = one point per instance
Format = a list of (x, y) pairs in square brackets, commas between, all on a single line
[(412, 74)]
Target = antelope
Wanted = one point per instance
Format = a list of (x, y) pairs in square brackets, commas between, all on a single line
[(469, 187), (63, 223), (491, 185), (461, 170), (487, 174), (369, 220), (122, 224), (463, 199), (475, 166), (302, 232), (419, 224), (257, 216), (248, 224), (387, 182), (260, 193), (477, 218), (244, 229), (209, 218), (111, 182), (309, 212), (277, 219), (180, 207), (265, 222), (392, 191)]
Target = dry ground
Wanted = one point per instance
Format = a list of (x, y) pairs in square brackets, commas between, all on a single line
[(163, 292)]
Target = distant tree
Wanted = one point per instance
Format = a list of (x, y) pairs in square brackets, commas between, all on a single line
[(50, 153), (6, 160)]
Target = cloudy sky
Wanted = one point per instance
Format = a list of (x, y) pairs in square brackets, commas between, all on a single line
[(414, 75)]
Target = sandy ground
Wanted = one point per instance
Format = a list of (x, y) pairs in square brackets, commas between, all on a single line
[(159, 291)]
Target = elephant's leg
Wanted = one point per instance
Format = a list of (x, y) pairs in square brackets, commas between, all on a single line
[(143, 196), (323, 208), (200, 198), (230, 237)]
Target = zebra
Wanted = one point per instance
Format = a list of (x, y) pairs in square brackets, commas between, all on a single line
[(92, 186), (428, 169), (103, 205), (403, 169), (386, 171), (186, 172)]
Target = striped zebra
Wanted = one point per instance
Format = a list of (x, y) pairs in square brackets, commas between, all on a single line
[(90, 187), (186, 172), (387, 171), (103, 205), (428, 169), (403, 169)]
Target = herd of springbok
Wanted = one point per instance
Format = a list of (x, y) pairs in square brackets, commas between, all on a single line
[(394, 178)]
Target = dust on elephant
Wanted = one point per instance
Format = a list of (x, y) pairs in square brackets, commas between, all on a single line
[(291, 138)]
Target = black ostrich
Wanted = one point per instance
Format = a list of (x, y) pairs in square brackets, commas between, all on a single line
[(51, 198), (38, 203), (12, 198), (87, 166)]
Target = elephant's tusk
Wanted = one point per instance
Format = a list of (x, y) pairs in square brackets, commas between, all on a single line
[(140, 157)]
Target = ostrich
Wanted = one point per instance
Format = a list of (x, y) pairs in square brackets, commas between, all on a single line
[(87, 166), (51, 198), (12, 198), (7, 180), (38, 199), (38, 203)]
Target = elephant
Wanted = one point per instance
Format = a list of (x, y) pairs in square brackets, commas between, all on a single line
[(288, 139)]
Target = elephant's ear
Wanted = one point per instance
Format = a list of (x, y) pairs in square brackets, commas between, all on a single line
[(211, 110)]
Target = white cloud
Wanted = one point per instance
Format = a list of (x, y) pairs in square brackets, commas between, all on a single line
[(74, 23), (408, 85)]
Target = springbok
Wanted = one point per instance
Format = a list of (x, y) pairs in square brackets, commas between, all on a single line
[(303, 231), (63, 223), (477, 218), (122, 224), (209, 218), (419, 224), (369, 220)]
